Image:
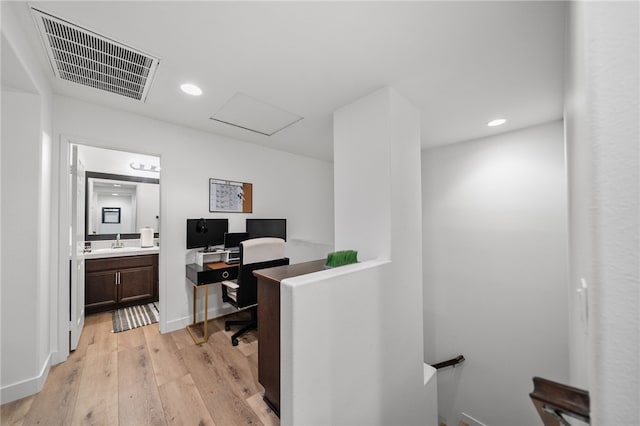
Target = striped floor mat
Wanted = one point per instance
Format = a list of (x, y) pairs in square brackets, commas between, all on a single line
[(134, 317)]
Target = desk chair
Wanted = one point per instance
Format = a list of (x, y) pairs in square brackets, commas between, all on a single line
[(257, 253)]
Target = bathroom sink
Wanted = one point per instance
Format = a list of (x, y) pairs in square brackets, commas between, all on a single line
[(120, 251)]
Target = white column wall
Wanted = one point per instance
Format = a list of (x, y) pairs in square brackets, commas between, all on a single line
[(362, 177), (379, 213), (366, 366)]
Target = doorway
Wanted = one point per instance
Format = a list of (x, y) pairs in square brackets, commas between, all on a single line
[(114, 219)]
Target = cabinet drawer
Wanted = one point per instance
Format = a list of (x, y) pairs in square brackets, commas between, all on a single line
[(203, 275), (114, 263), (222, 274)]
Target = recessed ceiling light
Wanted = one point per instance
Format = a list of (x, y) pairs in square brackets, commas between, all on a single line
[(191, 89), (496, 122), (115, 194)]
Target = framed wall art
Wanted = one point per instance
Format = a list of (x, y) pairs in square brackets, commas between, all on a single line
[(229, 196)]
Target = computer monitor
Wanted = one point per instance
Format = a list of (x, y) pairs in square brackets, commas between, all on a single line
[(258, 228), (206, 232), (233, 239)]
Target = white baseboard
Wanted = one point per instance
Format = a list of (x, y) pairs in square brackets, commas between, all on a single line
[(58, 357), (27, 387), (471, 421), (177, 324)]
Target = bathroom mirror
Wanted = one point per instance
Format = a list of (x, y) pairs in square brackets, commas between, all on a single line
[(120, 204)]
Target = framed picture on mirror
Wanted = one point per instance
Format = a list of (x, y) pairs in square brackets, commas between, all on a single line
[(111, 215)]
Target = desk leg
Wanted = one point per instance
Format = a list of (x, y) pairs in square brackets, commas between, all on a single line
[(195, 292), (206, 312), (190, 327)]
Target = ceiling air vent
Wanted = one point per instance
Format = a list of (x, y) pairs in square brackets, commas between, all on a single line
[(84, 57)]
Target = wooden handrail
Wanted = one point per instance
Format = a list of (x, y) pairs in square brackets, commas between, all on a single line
[(452, 362), (553, 400)]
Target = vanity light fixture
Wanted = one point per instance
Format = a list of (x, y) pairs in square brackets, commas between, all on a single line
[(191, 89), (496, 122), (145, 167)]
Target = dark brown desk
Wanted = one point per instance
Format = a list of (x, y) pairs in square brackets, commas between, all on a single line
[(269, 324), (202, 276)]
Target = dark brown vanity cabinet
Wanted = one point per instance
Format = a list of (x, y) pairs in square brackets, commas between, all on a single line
[(117, 282)]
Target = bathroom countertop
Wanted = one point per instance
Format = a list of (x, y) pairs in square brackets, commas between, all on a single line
[(119, 252)]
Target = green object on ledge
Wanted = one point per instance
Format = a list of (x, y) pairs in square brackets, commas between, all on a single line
[(344, 257)]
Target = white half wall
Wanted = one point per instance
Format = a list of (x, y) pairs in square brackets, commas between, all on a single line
[(332, 369), (496, 271), (284, 186)]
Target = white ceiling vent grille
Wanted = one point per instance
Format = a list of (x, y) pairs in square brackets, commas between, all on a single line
[(84, 57)]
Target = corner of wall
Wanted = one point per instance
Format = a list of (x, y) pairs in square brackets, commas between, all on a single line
[(27, 387)]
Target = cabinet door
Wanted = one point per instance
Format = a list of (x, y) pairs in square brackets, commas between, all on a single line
[(101, 291), (136, 285)]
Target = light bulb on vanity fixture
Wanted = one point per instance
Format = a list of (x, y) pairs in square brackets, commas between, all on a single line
[(145, 167)]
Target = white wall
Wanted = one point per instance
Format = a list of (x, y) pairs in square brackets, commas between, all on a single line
[(604, 163), (351, 337), (20, 134), (28, 300), (579, 170), (496, 271), (284, 185), (116, 162)]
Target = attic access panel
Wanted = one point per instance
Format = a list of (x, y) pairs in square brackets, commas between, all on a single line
[(254, 115), (84, 57)]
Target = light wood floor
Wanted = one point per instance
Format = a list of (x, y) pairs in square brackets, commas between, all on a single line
[(142, 377)]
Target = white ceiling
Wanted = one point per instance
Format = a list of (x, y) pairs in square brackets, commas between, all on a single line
[(460, 63)]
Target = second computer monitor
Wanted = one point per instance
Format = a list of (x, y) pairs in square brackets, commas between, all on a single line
[(233, 239), (258, 228)]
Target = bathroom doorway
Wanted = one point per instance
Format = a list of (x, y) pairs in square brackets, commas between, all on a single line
[(114, 219)]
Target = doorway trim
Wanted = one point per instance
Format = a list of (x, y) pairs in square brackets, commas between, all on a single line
[(61, 314)]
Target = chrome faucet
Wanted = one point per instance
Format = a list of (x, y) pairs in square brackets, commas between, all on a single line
[(118, 243)]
